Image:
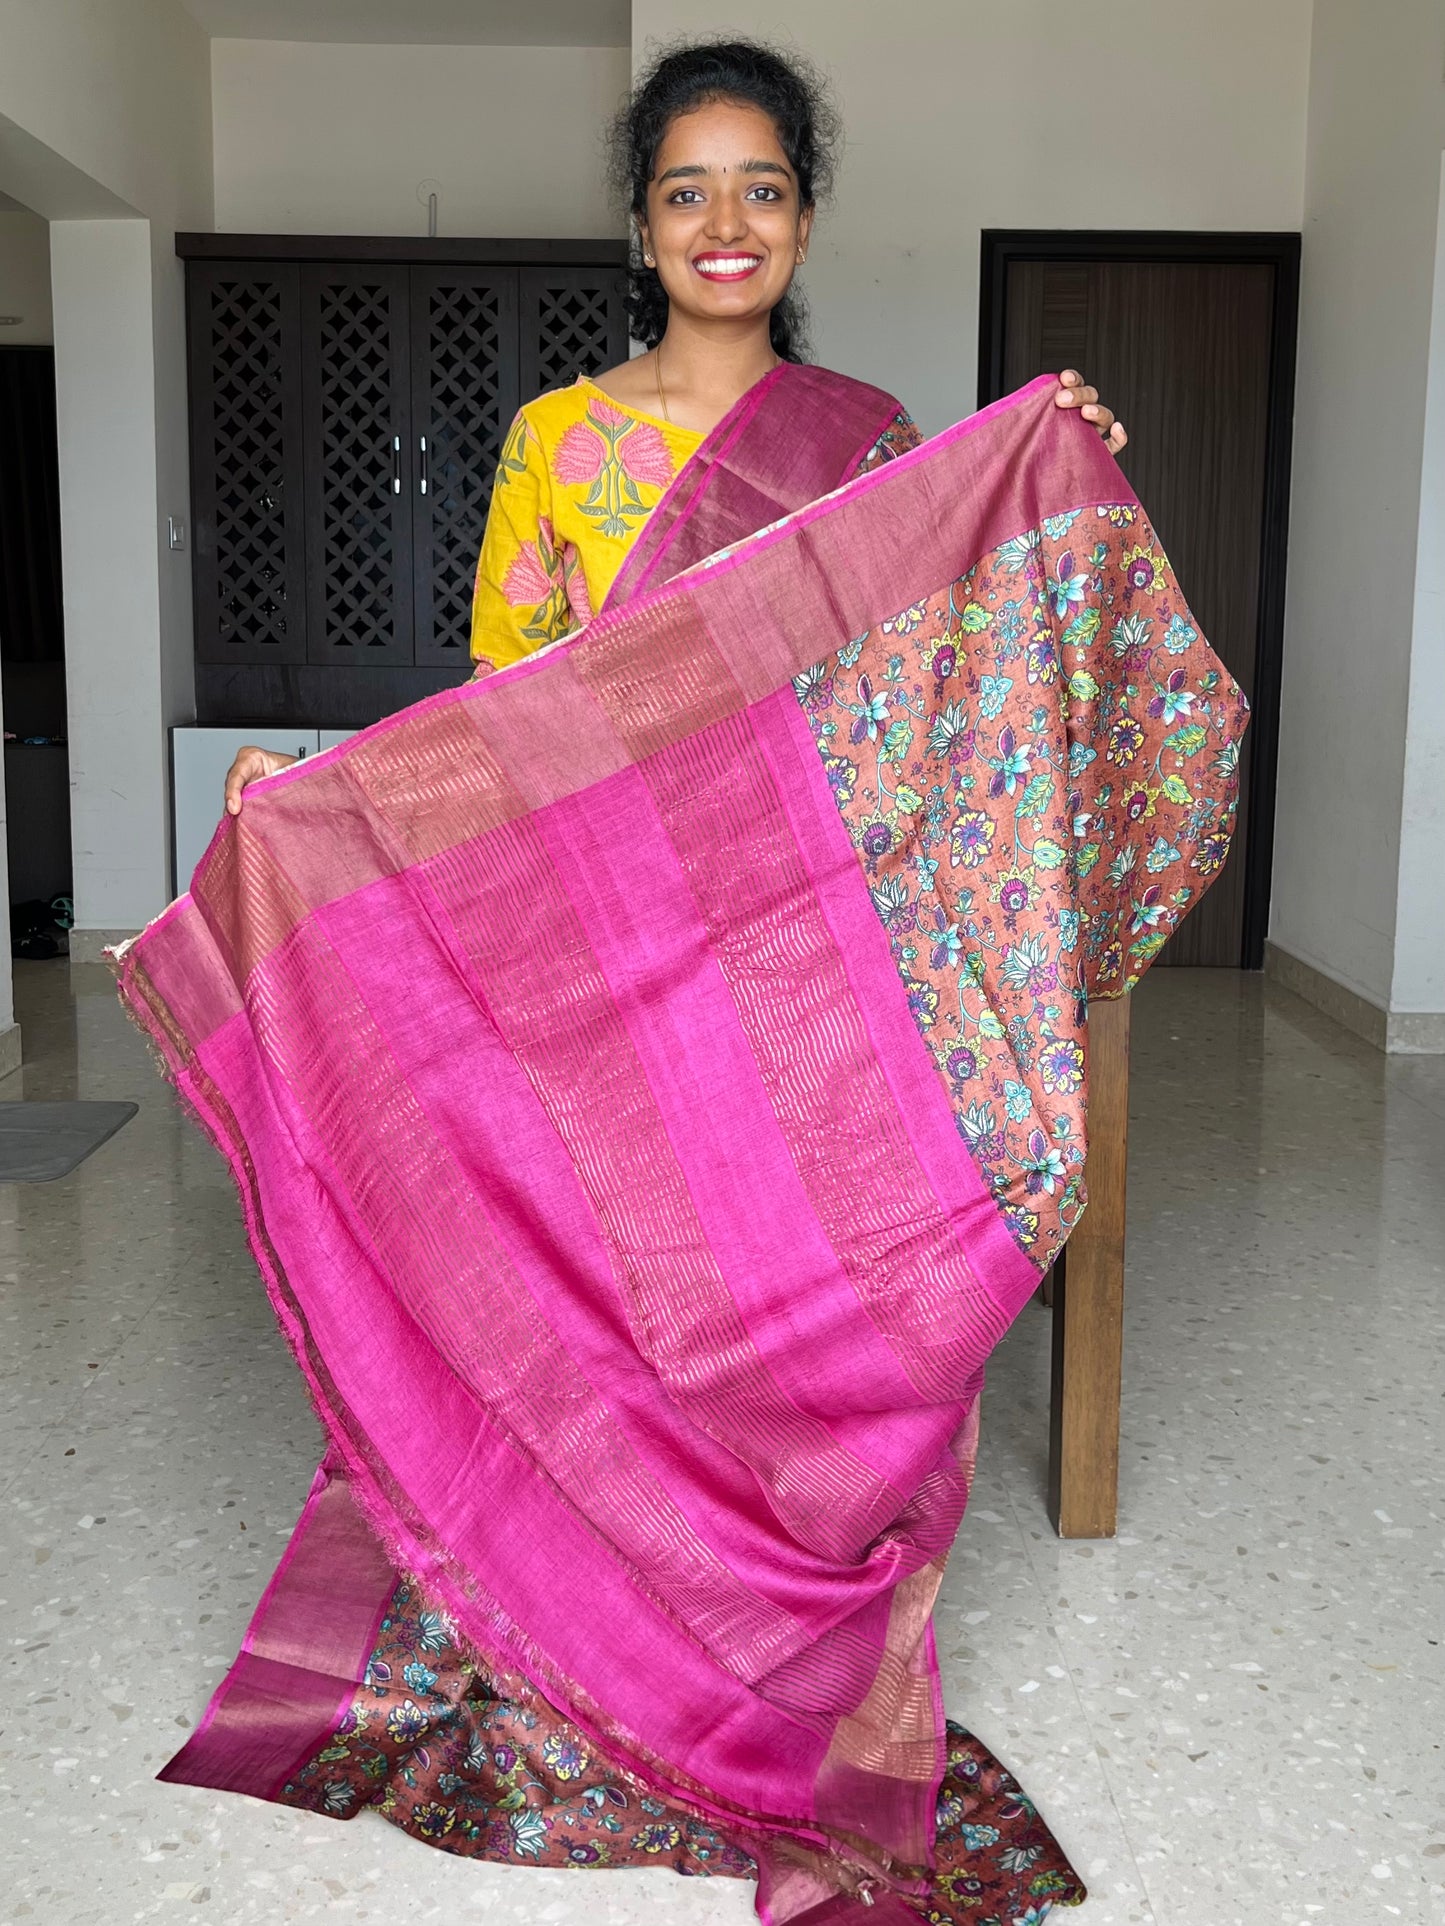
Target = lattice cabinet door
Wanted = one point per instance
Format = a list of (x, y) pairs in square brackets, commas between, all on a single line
[(248, 541), (464, 394), (359, 467), (572, 322)]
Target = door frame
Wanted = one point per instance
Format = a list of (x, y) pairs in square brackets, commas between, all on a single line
[(1003, 246)]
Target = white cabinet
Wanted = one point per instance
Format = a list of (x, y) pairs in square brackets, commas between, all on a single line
[(200, 758)]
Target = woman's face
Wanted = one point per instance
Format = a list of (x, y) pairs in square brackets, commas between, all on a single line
[(723, 218)]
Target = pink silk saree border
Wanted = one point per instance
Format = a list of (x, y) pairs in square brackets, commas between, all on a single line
[(754, 466), (283, 1697)]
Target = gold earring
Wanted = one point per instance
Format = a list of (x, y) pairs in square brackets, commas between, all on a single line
[(647, 261)]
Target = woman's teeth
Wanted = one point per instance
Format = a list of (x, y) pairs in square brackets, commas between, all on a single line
[(741, 264)]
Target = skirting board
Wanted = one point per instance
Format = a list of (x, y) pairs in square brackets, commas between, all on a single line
[(1419, 1033), (9, 1049), (86, 946)]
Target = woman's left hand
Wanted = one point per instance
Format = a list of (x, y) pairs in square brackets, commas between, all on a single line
[(1074, 392)]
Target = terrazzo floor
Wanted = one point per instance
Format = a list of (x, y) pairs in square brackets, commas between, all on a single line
[(1233, 1713)]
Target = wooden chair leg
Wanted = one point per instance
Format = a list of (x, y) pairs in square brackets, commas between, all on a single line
[(1088, 1303)]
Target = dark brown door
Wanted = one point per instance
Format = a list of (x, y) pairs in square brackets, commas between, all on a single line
[(356, 378), (1188, 355), (464, 394)]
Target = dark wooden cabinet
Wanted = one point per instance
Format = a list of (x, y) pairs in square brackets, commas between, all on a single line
[(347, 412), (464, 319), (247, 487), (356, 437)]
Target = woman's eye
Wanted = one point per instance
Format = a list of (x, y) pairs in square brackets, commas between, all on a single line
[(763, 192), (685, 197)]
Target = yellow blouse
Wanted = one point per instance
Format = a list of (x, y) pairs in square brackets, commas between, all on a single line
[(579, 476)]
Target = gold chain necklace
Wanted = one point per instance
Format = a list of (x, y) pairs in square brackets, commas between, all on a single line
[(777, 362), (657, 370)]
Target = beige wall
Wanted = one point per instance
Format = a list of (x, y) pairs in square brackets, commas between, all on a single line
[(965, 114), (25, 278), (314, 139), (105, 129), (1419, 974), (1352, 896)]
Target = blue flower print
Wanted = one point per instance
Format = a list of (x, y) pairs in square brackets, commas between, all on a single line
[(529, 1832), (977, 1837), (945, 938), (1010, 765), (1017, 1100), (1044, 1166), (870, 712), (1179, 635), (1067, 586), (1173, 698), (433, 1631), (418, 1677), (1009, 621), (993, 693)]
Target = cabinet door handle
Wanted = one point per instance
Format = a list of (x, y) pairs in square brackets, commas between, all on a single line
[(396, 464), (425, 472)]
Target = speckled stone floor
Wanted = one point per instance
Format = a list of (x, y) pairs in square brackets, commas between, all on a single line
[(1233, 1714)]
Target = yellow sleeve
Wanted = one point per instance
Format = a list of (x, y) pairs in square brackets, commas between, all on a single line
[(520, 600)]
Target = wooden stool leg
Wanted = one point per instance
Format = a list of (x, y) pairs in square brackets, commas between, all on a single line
[(1089, 1303)]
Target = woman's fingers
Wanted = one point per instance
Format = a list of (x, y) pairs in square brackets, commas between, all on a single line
[(250, 765), (241, 771), (1075, 392)]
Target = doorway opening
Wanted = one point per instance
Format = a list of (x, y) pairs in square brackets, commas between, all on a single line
[(32, 628)]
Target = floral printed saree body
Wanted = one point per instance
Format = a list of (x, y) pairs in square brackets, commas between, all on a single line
[(655, 1077)]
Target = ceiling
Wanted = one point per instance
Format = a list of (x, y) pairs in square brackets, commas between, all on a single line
[(445, 23)]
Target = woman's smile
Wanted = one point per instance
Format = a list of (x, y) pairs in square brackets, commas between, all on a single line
[(727, 266)]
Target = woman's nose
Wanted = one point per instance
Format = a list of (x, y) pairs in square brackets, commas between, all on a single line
[(729, 220)]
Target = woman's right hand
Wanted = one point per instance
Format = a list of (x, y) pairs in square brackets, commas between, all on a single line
[(250, 765)]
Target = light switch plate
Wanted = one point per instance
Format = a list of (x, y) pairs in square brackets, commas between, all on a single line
[(177, 532)]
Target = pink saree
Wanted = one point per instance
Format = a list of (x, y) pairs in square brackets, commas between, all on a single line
[(654, 1078)]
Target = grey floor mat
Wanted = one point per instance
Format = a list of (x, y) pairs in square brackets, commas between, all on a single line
[(42, 1141)]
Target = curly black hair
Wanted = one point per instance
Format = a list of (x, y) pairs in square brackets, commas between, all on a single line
[(689, 74)]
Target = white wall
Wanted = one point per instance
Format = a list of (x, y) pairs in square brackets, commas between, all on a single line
[(25, 278), (964, 114), (314, 139), (105, 130), (106, 406), (1419, 976), (1350, 898)]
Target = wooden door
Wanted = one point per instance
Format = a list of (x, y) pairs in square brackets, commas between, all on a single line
[(1196, 357), (464, 394), (247, 533), (356, 378)]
